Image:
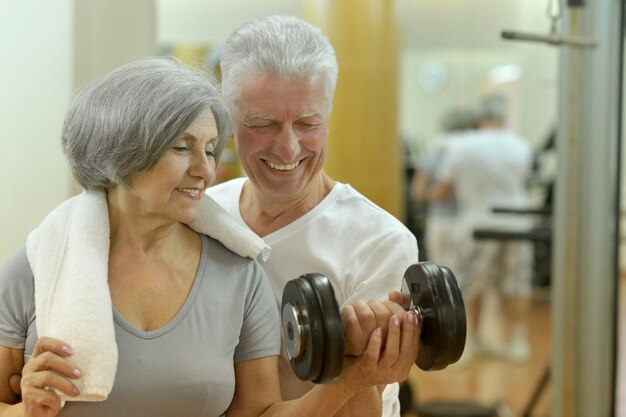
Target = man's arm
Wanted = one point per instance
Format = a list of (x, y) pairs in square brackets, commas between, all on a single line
[(360, 319)]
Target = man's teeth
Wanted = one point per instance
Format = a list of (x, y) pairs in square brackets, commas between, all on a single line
[(280, 167), (193, 191)]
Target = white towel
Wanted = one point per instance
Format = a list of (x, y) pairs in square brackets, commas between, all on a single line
[(68, 254), (217, 223)]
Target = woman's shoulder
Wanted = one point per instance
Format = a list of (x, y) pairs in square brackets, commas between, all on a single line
[(16, 272), (17, 299), (222, 261)]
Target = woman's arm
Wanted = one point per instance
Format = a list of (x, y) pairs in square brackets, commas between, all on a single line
[(10, 367), (257, 393), (257, 390), (49, 367)]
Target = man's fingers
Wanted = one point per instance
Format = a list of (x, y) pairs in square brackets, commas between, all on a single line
[(395, 308), (403, 299), (373, 347), (367, 318), (382, 314), (356, 340)]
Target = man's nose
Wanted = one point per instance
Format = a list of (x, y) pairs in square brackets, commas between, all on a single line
[(286, 145)]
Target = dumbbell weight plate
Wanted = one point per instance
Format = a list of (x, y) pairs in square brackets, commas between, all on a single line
[(302, 329), (334, 339), (312, 328), (436, 294)]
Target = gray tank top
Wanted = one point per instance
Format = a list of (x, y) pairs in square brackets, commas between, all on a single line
[(184, 368)]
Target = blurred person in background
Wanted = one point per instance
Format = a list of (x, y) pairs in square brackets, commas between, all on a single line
[(489, 168), (440, 213)]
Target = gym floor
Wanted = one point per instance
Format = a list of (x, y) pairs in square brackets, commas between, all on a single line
[(492, 381)]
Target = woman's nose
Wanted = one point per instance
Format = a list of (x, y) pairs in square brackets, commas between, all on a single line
[(203, 166)]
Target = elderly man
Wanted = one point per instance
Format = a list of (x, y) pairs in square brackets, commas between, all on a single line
[(280, 73)]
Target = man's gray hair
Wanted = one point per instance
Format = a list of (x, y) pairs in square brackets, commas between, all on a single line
[(279, 45), (123, 122), (493, 107)]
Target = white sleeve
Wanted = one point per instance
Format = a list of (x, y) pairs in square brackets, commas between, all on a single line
[(390, 400), (381, 269)]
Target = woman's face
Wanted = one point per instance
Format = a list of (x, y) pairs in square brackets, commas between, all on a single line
[(174, 187)]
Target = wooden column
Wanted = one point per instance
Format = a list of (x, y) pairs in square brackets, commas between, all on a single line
[(364, 146)]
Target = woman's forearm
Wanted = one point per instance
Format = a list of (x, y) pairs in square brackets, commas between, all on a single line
[(365, 403), (322, 401)]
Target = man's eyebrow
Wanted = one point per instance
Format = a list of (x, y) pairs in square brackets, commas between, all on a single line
[(259, 117)]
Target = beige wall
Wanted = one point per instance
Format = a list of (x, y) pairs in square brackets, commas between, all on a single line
[(36, 81), (48, 50)]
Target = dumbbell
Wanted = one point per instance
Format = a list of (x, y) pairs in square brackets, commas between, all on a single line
[(313, 329)]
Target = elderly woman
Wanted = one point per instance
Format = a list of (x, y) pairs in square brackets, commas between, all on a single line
[(195, 325)]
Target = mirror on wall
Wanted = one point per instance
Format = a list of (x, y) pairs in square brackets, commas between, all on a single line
[(453, 57)]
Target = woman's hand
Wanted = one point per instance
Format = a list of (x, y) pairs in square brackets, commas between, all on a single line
[(49, 368)]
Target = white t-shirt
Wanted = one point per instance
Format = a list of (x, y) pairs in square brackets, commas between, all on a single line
[(363, 250), (488, 168)]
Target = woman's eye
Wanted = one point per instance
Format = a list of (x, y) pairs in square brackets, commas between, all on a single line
[(180, 148), (209, 152)]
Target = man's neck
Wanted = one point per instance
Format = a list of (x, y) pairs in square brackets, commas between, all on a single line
[(265, 214)]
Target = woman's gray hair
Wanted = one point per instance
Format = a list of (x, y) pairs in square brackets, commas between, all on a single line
[(280, 45), (123, 123)]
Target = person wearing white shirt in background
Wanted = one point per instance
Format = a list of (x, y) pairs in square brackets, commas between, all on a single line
[(489, 168), (440, 214)]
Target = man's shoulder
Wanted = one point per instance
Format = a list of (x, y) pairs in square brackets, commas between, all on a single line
[(364, 213), (223, 192), (226, 186)]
